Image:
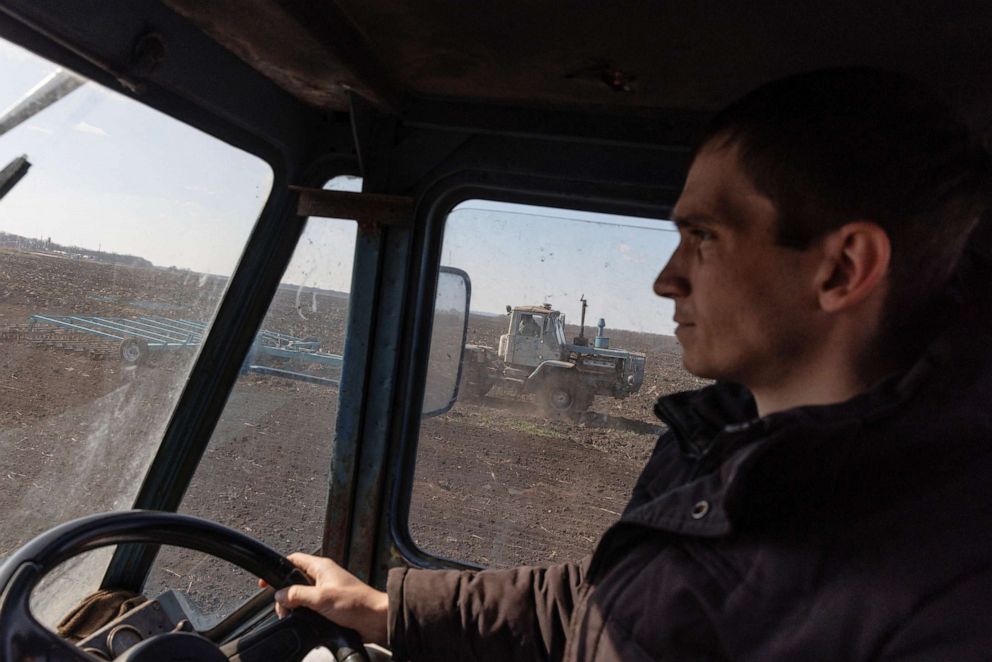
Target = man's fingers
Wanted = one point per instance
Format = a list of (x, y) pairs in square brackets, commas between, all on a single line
[(337, 595), (307, 563), (298, 595)]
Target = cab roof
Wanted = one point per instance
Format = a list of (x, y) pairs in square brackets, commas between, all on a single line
[(623, 57), (541, 310)]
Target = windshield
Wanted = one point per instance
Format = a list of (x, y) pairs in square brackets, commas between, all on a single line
[(119, 228)]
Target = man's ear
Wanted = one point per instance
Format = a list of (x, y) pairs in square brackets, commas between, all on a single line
[(855, 262)]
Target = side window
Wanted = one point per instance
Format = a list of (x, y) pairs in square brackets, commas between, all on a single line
[(280, 415), (567, 350)]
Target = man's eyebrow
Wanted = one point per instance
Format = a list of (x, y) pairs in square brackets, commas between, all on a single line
[(723, 214), (697, 217)]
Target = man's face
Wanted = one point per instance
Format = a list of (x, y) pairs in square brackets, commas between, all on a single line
[(746, 308)]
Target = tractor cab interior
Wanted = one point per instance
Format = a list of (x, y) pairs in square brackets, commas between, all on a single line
[(246, 247)]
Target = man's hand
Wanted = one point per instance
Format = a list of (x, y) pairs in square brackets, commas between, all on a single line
[(338, 596)]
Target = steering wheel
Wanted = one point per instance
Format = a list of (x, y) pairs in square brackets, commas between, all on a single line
[(291, 638)]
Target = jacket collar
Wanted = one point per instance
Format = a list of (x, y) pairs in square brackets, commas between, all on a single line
[(697, 417), (749, 469)]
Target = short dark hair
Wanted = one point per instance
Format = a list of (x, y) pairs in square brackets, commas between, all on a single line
[(834, 146)]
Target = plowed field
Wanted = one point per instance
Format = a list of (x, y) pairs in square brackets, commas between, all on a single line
[(495, 483)]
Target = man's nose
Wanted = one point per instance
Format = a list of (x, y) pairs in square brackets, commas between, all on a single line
[(671, 283)]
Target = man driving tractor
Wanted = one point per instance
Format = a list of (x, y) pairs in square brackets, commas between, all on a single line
[(828, 496)]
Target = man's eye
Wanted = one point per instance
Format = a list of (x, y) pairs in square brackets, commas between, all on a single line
[(700, 234)]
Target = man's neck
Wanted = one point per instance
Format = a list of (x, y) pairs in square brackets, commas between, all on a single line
[(771, 402), (823, 382)]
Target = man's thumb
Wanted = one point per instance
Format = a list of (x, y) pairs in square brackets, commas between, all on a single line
[(297, 595)]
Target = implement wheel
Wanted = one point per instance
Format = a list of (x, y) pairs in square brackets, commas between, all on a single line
[(134, 351), (475, 384)]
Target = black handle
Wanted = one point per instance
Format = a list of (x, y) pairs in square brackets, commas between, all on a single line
[(292, 637)]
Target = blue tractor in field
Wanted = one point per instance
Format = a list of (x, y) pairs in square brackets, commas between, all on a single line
[(535, 357)]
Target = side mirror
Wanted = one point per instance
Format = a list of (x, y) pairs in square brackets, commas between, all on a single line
[(508, 309), (444, 363)]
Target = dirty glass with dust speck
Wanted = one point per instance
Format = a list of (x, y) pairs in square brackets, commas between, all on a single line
[(265, 470), (119, 229)]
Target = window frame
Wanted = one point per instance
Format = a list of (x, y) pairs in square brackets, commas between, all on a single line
[(434, 209)]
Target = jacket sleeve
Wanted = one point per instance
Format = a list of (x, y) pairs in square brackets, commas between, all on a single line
[(514, 614)]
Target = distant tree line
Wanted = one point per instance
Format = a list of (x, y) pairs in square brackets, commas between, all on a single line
[(18, 242)]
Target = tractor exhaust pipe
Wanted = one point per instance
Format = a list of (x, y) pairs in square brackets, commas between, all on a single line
[(581, 339)]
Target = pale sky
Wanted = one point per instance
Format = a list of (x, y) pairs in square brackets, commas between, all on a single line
[(525, 255), (110, 174)]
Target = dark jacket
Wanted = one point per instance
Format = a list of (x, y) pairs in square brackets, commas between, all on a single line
[(855, 531)]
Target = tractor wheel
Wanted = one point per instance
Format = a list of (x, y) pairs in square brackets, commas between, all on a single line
[(562, 397), (583, 400), (134, 351)]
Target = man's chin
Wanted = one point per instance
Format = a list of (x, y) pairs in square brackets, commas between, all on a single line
[(688, 364), (695, 361), (698, 368)]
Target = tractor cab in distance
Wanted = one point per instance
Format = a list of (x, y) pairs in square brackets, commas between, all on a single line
[(534, 331)]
